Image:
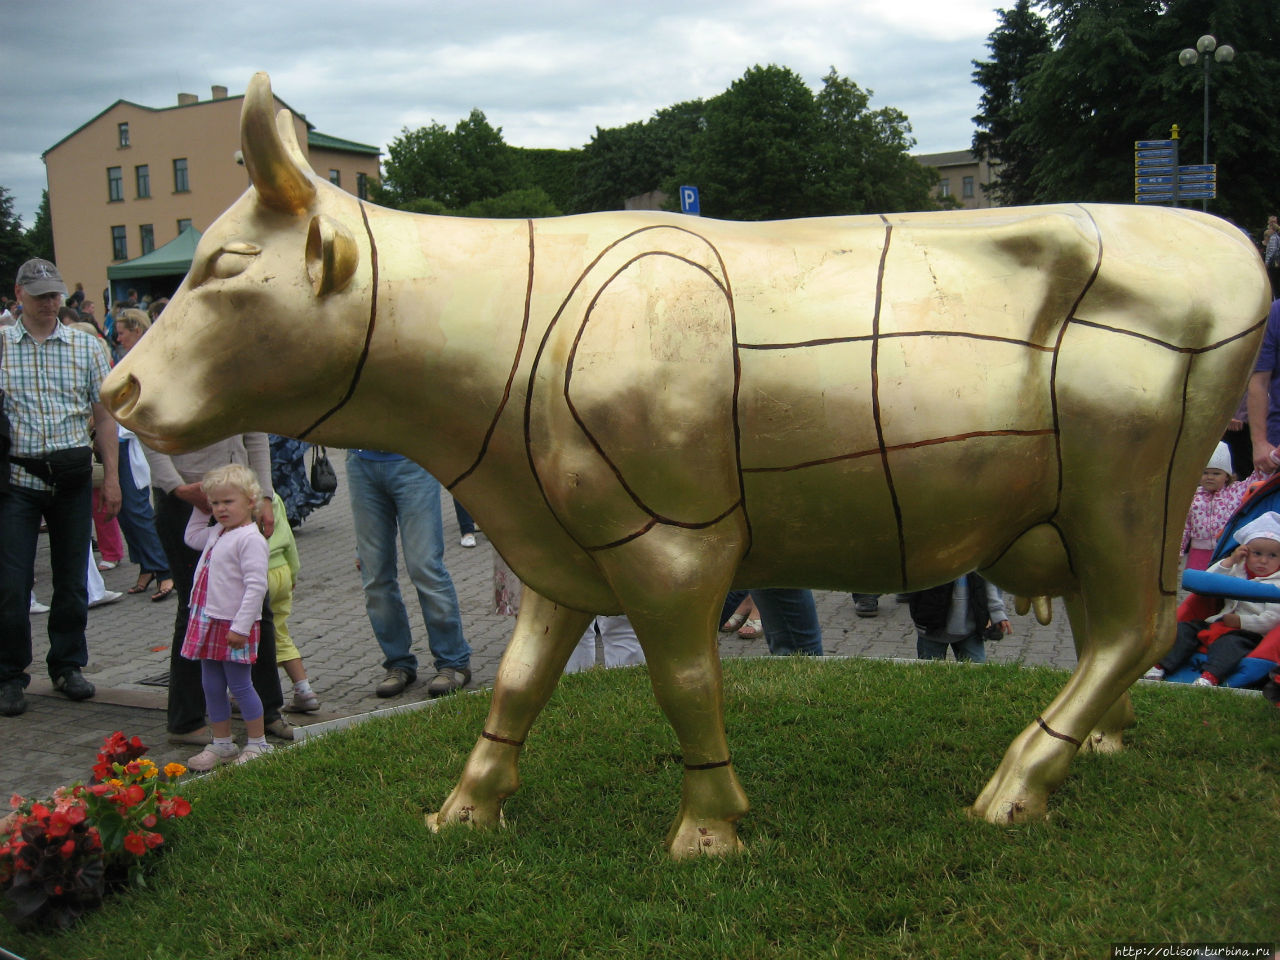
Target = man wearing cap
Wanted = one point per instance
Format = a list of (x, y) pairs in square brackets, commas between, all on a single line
[(51, 376)]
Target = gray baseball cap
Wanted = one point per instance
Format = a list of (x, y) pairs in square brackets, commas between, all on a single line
[(39, 277)]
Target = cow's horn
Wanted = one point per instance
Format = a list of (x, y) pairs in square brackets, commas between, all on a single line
[(279, 173)]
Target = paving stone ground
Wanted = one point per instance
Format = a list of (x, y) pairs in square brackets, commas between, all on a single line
[(55, 741)]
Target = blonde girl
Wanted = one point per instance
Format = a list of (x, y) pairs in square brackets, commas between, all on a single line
[(226, 607)]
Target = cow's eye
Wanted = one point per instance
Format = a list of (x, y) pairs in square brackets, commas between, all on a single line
[(232, 259)]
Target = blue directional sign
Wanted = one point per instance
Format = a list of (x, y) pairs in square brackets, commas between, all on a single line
[(1154, 144), (690, 202)]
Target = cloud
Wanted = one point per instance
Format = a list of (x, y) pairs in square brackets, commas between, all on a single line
[(548, 76)]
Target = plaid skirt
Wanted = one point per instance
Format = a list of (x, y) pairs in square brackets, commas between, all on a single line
[(206, 637)]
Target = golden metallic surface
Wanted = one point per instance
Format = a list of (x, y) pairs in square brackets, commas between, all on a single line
[(643, 409)]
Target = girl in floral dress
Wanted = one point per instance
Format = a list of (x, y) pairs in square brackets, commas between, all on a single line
[(226, 607), (1217, 499)]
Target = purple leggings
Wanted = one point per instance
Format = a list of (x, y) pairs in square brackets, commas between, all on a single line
[(219, 676)]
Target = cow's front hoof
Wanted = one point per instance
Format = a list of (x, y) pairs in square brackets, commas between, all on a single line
[(704, 838), (1010, 800), (1102, 741), (465, 813)]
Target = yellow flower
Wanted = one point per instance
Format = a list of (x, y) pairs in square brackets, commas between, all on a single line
[(174, 769), (149, 769), (117, 782)]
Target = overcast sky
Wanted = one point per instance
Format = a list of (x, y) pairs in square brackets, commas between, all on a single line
[(547, 73)]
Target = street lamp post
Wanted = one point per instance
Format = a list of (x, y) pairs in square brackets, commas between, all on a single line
[(1225, 53)]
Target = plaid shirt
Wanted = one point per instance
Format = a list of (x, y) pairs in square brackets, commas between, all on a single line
[(48, 388)]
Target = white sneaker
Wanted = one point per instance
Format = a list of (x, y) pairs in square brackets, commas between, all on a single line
[(213, 755), (107, 564), (1202, 682), (108, 596), (468, 540), (38, 607), (252, 751), (1155, 673)]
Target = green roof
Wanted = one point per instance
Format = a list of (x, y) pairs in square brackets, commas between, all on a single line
[(326, 142), (173, 258)]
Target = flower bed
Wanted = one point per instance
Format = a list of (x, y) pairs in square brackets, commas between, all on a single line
[(59, 857)]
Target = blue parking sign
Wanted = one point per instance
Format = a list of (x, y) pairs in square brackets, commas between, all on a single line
[(689, 201)]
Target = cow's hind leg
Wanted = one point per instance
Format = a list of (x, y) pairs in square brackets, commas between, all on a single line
[(544, 637), (667, 581), (1127, 619)]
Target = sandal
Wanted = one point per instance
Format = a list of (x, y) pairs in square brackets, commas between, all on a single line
[(734, 622), (144, 581), (164, 593), (751, 630)]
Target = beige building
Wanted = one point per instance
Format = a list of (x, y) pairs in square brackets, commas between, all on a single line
[(129, 180), (962, 176)]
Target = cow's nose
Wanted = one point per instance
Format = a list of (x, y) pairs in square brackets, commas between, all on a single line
[(122, 398)]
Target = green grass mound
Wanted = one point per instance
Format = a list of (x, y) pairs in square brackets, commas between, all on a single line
[(858, 845)]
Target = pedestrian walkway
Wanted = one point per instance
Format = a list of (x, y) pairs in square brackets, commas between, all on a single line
[(55, 741)]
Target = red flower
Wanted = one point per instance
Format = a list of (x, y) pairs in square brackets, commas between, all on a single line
[(153, 840), (149, 820), (135, 844), (59, 825), (175, 807), (75, 815), (67, 849)]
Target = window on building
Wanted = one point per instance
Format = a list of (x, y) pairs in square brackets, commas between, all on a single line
[(183, 224), (147, 236), (180, 182), (115, 183), (944, 187), (362, 186), (142, 174), (335, 177), (124, 133), (968, 187), (119, 244)]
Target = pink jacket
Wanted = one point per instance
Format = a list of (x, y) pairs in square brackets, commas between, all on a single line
[(237, 562), (1210, 512)]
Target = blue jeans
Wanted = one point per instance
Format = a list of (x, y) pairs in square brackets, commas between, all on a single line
[(789, 618), (138, 523), (384, 494), (465, 523), (68, 514), (969, 648)]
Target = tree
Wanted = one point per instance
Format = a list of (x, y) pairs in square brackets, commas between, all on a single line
[(450, 167), (1111, 76), (1016, 46), (863, 157), (753, 158), (555, 172), (623, 162), (14, 247), (529, 202), (40, 236), (769, 148)]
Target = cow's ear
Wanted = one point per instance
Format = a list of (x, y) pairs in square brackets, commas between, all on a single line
[(332, 255)]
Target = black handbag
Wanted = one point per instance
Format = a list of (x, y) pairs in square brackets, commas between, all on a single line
[(324, 479)]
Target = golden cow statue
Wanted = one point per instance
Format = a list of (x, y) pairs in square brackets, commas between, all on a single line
[(645, 410)]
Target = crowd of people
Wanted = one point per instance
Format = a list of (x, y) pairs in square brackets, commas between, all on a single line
[(212, 529)]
